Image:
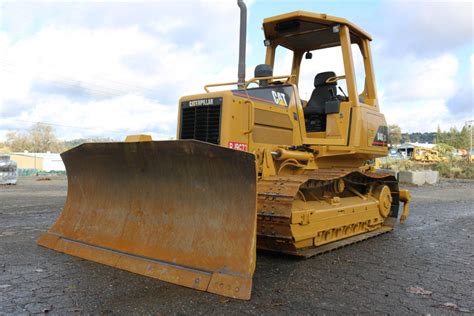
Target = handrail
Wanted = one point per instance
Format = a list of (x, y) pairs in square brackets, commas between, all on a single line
[(288, 77), (251, 114), (217, 85), (248, 82), (335, 79)]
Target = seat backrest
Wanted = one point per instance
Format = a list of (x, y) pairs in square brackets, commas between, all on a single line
[(263, 70), (321, 92)]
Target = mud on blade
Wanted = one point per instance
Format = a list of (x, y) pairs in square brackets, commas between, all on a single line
[(179, 211)]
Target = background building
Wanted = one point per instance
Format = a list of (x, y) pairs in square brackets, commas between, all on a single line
[(39, 161)]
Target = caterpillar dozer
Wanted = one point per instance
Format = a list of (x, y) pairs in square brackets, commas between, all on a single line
[(254, 166), (427, 156)]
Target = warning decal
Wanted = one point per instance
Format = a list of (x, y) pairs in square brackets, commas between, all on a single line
[(238, 146)]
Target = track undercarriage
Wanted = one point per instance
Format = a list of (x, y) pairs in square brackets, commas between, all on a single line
[(315, 212)]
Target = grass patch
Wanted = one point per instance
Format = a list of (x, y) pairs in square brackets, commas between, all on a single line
[(454, 168)]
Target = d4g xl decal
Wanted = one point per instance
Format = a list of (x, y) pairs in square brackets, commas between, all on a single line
[(381, 137)]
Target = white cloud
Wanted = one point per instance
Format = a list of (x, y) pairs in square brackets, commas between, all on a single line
[(98, 59), (109, 117), (419, 61), (410, 78), (417, 116), (329, 59), (472, 69), (167, 24), (114, 79), (114, 68), (415, 91), (427, 27)]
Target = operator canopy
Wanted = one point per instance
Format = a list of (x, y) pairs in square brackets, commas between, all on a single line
[(306, 31)]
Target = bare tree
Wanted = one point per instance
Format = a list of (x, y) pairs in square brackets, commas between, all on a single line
[(42, 138), (17, 141), (39, 138)]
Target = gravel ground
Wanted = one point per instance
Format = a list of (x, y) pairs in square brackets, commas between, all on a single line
[(423, 267)]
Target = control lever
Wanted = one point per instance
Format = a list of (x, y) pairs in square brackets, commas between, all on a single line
[(340, 89)]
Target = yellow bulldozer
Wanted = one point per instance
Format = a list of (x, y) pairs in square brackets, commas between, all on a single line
[(427, 156), (253, 167)]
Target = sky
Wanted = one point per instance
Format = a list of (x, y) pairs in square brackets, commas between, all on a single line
[(111, 69)]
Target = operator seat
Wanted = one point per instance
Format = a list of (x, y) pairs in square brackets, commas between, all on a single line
[(263, 70), (315, 111)]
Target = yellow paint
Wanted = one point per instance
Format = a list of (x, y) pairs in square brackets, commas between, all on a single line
[(138, 138)]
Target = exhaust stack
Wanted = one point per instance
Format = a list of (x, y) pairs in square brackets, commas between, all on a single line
[(242, 43)]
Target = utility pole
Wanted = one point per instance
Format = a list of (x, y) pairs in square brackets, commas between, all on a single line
[(469, 124)]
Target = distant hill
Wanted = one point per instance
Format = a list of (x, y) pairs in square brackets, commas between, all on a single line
[(427, 137)]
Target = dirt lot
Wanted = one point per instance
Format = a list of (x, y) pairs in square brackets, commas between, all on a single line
[(424, 267)]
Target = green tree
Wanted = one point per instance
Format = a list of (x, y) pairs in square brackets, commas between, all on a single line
[(445, 149), (453, 137), (464, 135), (405, 138), (440, 136)]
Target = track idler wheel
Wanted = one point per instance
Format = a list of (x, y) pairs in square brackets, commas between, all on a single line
[(384, 196)]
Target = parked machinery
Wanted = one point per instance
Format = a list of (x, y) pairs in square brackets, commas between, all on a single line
[(8, 170)]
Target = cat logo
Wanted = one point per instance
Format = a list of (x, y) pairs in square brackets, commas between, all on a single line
[(279, 98)]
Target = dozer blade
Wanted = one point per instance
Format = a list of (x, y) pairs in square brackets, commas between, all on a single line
[(179, 211)]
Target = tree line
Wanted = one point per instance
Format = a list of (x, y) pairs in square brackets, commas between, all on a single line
[(41, 138), (453, 137)]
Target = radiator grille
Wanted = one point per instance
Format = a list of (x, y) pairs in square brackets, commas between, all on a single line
[(201, 123)]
